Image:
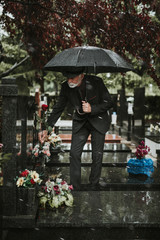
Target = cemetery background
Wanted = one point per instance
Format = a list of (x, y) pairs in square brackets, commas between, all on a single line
[(138, 199)]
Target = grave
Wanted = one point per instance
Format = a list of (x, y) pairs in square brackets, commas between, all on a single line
[(127, 207)]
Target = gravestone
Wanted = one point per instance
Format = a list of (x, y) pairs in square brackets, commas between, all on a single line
[(139, 111), (139, 102), (9, 93), (121, 107)]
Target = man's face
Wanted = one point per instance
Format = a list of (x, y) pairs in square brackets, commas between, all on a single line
[(76, 81)]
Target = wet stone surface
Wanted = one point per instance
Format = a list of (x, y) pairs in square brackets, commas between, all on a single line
[(114, 169), (116, 178), (108, 157), (108, 147), (112, 208)]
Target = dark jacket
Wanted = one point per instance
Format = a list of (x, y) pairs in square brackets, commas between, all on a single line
[(96, 94)]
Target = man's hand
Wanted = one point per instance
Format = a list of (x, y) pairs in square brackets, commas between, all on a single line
[(42, 136), (86, 107)]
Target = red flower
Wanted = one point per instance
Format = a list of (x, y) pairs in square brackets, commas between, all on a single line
[(57, 192), (142, 150), (44, 107), (63, 182), (56, 188), (32, 181), (24, 173)]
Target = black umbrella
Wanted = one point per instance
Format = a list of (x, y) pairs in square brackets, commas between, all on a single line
[(91, 59)]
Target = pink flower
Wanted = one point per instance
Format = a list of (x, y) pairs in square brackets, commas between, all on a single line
[(63, 182), (70, 187), (36, 154), (48, 154), (142, 150), (56, 188), (1, 145), (57, 192)]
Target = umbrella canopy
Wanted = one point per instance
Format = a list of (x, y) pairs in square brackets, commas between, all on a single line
[(90, 59)]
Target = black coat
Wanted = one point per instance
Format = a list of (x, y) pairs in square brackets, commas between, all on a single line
[(96, 94)]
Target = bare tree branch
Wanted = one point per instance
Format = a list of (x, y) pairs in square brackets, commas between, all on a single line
[(14, 67)]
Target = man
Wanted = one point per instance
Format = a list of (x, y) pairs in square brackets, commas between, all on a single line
[(91, 101)]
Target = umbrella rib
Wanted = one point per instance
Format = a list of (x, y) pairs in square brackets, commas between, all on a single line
[(78, 56), (110, 58)]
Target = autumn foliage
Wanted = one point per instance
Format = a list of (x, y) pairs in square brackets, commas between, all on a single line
[(53, 25)]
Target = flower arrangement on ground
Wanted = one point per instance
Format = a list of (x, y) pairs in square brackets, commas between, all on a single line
[(142, 150), (28, 178), (141, 164), (56, 193)]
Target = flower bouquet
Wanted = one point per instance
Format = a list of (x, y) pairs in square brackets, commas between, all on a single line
[(56, 193), (28, 178), (41, 150), (141, 164), (55, 142), (142, 150), (26, 191)]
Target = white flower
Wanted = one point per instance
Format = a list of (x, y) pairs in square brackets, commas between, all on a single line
[(156, 128), (20, 181), (49, 186), (35, 176), (151, 127), (53, 138), (58, 180), (65, 186)]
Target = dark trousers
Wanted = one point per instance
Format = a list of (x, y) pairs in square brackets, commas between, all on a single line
[(78, 141)]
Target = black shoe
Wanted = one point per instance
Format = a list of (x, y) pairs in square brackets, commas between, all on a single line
[(102, 183)]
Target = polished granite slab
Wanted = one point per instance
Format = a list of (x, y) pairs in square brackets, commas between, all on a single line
[(106, 209), (115, 178), (155, 139), (108, 147), (109, 159)]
